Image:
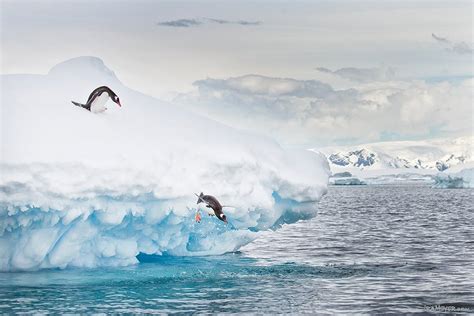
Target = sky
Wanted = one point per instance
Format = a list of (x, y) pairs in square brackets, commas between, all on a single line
[(308, 73)]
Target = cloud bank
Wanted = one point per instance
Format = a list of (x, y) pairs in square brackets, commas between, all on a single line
[(309, 112), (362, 74), (201, 21), (181, 23), (461, 48)]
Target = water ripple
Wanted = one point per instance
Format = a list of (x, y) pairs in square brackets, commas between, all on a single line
[(370, 250)]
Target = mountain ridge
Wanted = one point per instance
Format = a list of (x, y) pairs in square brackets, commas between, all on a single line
[(435, 154)]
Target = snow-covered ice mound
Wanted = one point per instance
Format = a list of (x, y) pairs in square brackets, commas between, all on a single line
[(85, 190), (457, 178)]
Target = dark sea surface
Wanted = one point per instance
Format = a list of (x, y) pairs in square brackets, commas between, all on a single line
[(370, 250)]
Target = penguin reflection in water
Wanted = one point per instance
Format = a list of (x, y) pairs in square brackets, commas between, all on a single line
[(97, 99), (213, 203)]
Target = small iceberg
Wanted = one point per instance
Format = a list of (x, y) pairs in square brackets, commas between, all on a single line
[(345, 178), (348, 181)]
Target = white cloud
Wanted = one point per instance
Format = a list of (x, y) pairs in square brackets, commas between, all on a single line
[(309, 112), (262, 85), (293, 35)]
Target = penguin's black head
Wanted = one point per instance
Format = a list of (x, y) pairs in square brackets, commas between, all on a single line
[(223, 218), (116, 99), (112, 95)]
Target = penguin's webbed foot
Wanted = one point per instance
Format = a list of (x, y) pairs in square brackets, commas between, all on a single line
[(198, 217)]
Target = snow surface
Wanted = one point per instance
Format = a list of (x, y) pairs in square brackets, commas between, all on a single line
[(83, 190)]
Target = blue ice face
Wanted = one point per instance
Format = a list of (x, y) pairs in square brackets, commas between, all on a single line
[(95, 225)]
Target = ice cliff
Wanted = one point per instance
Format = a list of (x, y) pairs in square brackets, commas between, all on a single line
[(84, 190)]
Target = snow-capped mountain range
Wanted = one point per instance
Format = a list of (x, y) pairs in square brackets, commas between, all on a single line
[(410, 156)]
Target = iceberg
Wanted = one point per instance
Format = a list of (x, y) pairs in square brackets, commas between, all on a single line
[(345, 178), (79, 189), (346, 181), (457, 178)]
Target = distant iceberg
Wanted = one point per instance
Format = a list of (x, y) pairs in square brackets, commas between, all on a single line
[(84, 190), (347, 181), (345, 178), (463, 178)]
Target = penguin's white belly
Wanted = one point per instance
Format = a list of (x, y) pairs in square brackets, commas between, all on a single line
[(98, 105)]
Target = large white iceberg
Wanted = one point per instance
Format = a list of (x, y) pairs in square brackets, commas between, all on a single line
[(85, 190)]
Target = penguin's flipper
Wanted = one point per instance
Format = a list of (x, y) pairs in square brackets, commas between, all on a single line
[(199, 198), (77, 104), (85, 106)]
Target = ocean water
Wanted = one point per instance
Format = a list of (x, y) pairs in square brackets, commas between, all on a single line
[(370, 249)]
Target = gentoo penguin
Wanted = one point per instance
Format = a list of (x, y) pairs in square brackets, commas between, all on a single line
[(97, 99), (212, 202)]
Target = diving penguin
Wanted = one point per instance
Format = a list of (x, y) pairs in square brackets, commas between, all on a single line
[(212, 202), (97, 99)]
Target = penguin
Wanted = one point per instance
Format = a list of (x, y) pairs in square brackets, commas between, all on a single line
[(97, 99), (213, 203)]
